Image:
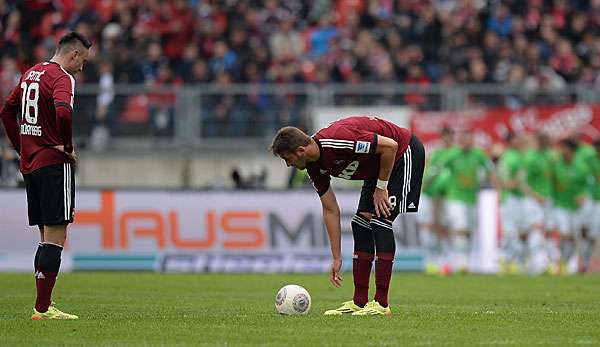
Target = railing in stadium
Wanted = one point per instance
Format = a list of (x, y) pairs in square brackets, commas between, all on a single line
[(174, 115)]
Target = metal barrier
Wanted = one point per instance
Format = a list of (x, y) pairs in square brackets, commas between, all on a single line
[(176, 115)]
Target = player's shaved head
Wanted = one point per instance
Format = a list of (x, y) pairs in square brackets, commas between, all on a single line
[(71, 41), (288, 139)]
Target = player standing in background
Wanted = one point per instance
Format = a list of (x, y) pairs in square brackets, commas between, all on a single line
[(429, 217), (570, 179), (539, 161), (467, 165), (589, 215), (43, 138), (511, 176), (390, 160)]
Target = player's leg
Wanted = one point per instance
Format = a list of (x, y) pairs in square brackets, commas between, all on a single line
[(49, 264), (34, 212), (458, 213), (404, 191), (591, 237), (427, 235), (534, 224), (364, 244), (364, 253), (564, 224), (38, 251), (57, 195), (510, 234), (587, 239)]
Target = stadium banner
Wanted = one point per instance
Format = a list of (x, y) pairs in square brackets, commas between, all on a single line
[(491, 125), (200, 231)]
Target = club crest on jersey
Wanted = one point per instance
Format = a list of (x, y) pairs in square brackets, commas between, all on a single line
[(362, 147)]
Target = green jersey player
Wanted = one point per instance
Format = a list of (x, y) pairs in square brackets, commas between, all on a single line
[(511, 176), (467, 165), (570, 183), (589, 216), (429, 215)]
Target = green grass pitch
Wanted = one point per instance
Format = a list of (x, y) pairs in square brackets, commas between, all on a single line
[(122, 309)]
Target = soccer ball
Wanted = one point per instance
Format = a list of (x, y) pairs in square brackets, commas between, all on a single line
[(292, 299)]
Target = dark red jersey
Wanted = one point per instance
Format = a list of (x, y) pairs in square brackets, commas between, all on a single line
[(347, 149), (44, 100)]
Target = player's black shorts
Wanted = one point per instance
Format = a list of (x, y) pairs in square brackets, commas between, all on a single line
[(404, 185), (51, 195)]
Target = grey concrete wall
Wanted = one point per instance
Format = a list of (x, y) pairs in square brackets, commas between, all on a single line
[(175, 171)]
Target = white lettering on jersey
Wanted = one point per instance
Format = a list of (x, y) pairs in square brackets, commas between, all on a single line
[(34, 76), (362, 147), (349, 170), (33, 130)]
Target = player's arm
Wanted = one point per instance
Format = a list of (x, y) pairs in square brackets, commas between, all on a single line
[(63, 104), (331, 217), (9, 118), (386, 149)]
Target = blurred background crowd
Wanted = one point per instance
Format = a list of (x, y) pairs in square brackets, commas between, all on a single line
[(319, 41)]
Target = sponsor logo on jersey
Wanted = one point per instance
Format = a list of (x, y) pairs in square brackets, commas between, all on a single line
[(349, 170), (323, 171), (33, 130), (362, 147), (412, 205)]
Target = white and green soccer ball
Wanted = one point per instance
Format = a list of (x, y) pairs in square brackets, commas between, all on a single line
[(292, 299)]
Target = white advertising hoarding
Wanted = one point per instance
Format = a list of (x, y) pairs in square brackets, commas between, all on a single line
[(187, 231), (223, 231)]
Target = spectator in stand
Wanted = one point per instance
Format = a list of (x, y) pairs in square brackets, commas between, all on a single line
[(540, 44)]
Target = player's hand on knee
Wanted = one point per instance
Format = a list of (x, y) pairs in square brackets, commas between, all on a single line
[(383, 206)]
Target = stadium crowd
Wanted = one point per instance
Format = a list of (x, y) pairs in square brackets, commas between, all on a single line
[(539, 44), (194, 41)]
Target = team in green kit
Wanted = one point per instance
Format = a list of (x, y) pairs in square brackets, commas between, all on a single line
[(549, 202)]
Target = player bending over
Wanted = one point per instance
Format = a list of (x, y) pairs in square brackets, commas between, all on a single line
[(42, 137), (390, 160)]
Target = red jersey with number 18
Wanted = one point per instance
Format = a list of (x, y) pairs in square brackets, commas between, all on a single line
[(41, 91), (347, 148)]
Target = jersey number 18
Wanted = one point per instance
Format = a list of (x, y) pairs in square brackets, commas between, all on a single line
[(29, 101)]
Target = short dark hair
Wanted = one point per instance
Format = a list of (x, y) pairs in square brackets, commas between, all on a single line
[(72, 38), (288, 139), (570, 143)]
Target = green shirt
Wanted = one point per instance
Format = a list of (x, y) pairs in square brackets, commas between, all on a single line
[(538, 171), (586, 155), (594, 165), (511, 167), (569, 182), (465, 167), (436, 176)]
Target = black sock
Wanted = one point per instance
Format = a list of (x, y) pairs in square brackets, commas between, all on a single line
[(36, 260)]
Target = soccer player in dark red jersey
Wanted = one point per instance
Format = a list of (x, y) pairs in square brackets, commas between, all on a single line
[(42, 135), (390, 160)]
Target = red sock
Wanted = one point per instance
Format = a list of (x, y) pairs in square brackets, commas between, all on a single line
[(44, 283), (383, 275), (361, 271)]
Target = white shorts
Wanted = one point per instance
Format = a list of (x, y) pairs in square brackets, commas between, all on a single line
[(589, 216), (565, 221), (538, 214), (513, 215), (460, 216), (425, 213)]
